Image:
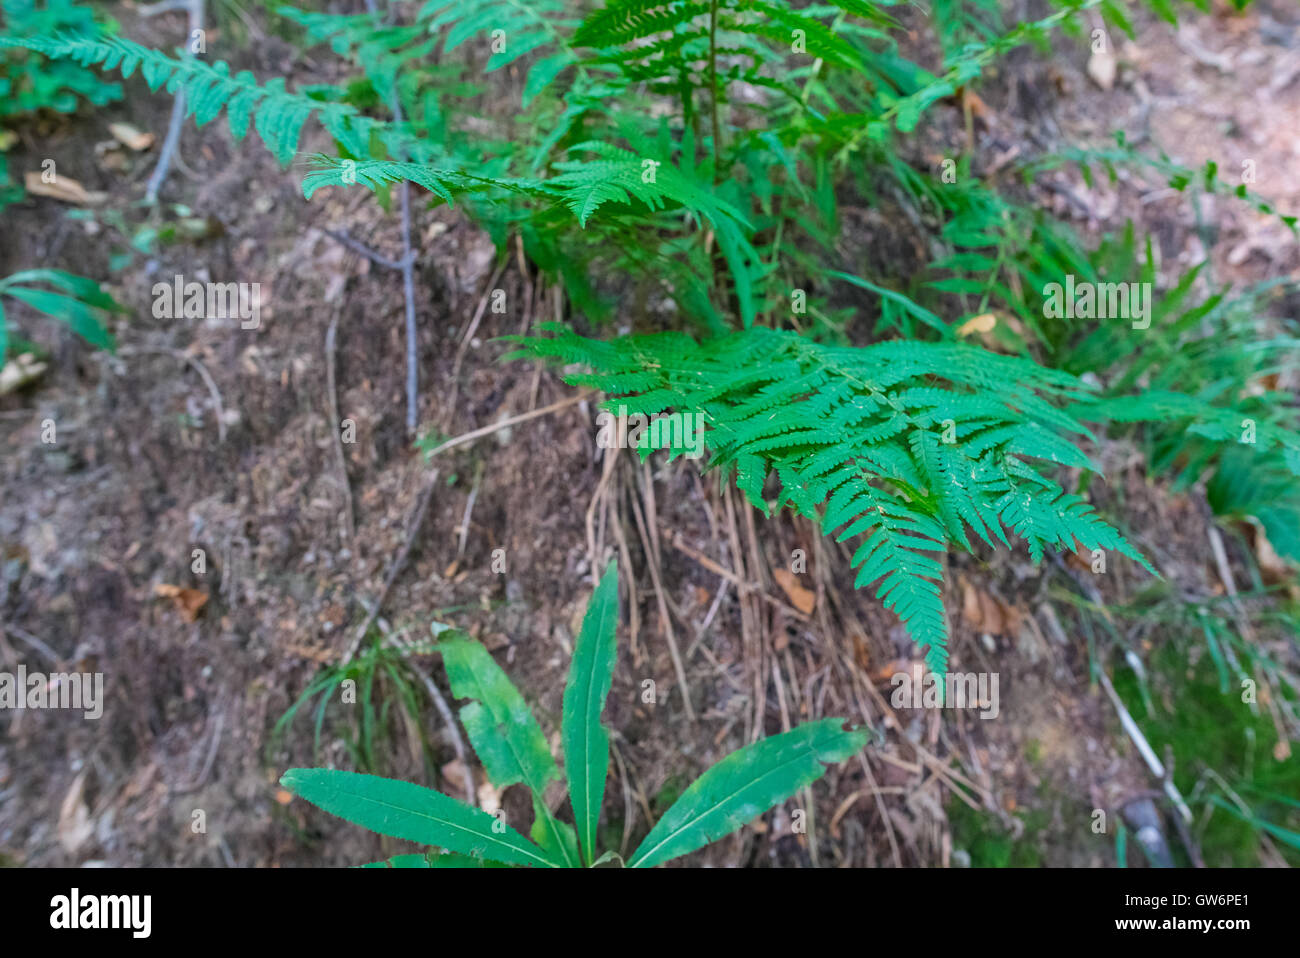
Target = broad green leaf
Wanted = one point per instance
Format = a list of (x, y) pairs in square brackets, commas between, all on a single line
[(82, 287), (504, 733), (556, 838), (411, 812), (72, 311), (586, 743), (744, 785)]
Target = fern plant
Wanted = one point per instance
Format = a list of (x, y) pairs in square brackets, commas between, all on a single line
[(908, 445), (513, 749), (685, 163), (705, 206)]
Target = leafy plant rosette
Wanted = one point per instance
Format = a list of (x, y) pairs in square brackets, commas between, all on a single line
[(510, 744)]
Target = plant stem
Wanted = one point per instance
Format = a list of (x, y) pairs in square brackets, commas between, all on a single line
[(195, 10)]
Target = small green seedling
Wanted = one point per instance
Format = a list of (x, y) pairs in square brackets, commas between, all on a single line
[(512, 748)]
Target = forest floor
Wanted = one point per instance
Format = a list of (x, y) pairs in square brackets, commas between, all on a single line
[(299, 532)]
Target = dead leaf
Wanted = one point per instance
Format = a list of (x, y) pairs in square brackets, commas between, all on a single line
[(1272, 566), (75, 826), (861, 653), (972, 101), (63, 188), (19, 371), (131, 137), (987, 613), (801, 598), (188, 601), (983, 323), (453, 774), (891, 668), (489, 799), (1102, 68)]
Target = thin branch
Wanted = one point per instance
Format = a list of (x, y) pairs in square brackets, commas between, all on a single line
[(212, 752), (361, 248), (164, 6), (505, 423), (197, 367), (408, 272), (1144, 748), (32, 641), (177, 122), (469, 334)]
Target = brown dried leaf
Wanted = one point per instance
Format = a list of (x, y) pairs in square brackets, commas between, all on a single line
[(75, 826), (63, 188), (1273, 567), (983, 323), (801, 598), (188, 602), (987, 613), (131, 137), (19, 371), (1102, 68)]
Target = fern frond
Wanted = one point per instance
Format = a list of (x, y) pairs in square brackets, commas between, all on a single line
[(537, 27), (620, 176), (627, 21), (857, 439), (276, 114), (443, 183)]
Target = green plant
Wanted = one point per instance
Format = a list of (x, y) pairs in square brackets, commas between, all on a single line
[(384, 680), (690, 165), (513, 749), (1222, 749), (903, 443), (31, 82), (79, 305), (1196, 384)]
